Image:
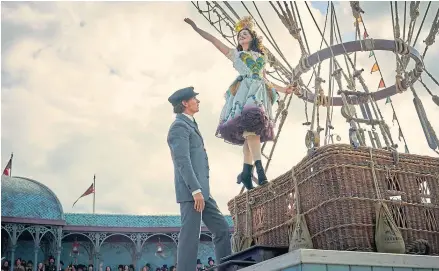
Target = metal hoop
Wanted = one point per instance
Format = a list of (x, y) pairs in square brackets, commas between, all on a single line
[(356, 46)]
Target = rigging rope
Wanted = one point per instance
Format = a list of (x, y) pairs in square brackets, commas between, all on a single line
[(231, 9), (396, 24), (422, 24), (425, 86), (414, 14), (318, 90), (273, 43), (398, 65), (435, 98), (431, 77), (433, 32), (350, 80), (335, 60), (374, 103), (330, 107), (358, 73), (405, 19)]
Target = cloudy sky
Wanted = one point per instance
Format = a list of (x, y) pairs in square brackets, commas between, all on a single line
[(85, 87)]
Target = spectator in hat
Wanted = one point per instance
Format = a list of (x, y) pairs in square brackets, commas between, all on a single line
[(51, 266), (199, 265), (210, 262)]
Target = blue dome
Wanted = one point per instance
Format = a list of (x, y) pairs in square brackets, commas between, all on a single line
[(26, 198)]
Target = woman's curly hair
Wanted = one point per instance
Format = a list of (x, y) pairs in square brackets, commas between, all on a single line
[(256, 43)]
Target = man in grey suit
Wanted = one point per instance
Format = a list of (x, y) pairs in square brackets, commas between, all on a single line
[(191, 170)]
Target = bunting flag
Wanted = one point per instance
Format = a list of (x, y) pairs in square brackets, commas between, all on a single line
[(381, 84), (400, 134), (375, 68), (406, 149), (365, 35), (7, 170), (394, 118), (89, 191), (371, 54), (388, 100)]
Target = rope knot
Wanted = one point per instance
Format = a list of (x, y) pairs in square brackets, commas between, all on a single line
[(401, 84), (322, 99), (304, 64), (414, 9), (401, 47)]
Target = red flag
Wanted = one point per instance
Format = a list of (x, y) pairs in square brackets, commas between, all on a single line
[(89, 191), (7, 170), (381, 85), (365, 35)]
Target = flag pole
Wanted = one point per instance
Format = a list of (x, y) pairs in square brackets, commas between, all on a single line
[(94, 193), (10, 170)]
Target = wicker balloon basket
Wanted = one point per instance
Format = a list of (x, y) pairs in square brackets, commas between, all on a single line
[(339, 188)]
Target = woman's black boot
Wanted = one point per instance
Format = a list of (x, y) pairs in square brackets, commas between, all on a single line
[(246, 176), (262, 179)]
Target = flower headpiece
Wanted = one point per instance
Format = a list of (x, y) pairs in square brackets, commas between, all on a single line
[(245, 23)]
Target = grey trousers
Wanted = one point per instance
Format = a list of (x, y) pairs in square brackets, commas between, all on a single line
[(189, 236)]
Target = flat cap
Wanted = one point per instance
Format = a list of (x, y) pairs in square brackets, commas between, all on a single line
[(180, 95)]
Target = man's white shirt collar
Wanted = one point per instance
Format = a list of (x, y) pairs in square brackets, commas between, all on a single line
[(189, 116)]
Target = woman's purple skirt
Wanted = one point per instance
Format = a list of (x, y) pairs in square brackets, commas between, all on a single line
[(252, 119)]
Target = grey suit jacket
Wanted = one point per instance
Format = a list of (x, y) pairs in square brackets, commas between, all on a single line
[(191, 165)]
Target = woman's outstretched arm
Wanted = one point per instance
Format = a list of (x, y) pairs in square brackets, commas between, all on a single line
[(287, 89), (218, 44)]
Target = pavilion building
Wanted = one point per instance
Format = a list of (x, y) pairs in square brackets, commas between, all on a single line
[(34, 227)]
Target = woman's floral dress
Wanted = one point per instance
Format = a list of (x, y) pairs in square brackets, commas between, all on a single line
[(249, 100)]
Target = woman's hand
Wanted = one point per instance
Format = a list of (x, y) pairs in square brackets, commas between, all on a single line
[(290, 89), (218, 44), (190, 22)]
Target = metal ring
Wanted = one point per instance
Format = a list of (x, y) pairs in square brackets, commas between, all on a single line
[(355, 46)]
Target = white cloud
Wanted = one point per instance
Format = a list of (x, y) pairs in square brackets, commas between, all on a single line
[(89, 95)]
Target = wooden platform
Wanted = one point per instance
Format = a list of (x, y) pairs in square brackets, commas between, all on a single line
[(248, 257), (330, 260), (231, 265)]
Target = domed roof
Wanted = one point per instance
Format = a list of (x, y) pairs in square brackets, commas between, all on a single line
[(26, 198)]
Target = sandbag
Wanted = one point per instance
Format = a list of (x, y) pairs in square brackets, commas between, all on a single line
[(299, 234), (388, 238)]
